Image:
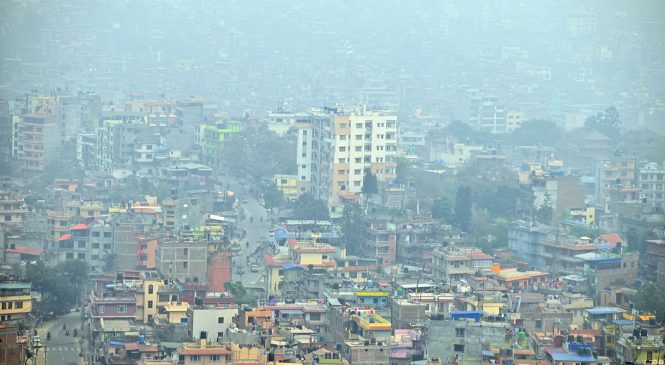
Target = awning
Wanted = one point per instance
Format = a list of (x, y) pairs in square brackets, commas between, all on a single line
[(65, 237), (79, 227)]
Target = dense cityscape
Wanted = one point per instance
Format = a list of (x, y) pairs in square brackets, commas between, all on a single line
[(318, 182)]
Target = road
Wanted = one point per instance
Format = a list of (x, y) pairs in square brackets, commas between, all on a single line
[(61, 349), (256, 226)]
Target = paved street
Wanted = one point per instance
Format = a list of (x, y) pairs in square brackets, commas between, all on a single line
[(61, 349), (256, 229)]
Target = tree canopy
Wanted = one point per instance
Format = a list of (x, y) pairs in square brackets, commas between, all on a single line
[(463, 205), (352, 227), (308, 207), (650, 299), (536, 132), (60, 286), (607, 122), (272, 196)]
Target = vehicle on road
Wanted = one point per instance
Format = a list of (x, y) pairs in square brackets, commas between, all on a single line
[(255, 268)]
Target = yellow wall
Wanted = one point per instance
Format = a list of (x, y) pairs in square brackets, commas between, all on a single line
[(275, 279), (24, 299), (311, 258), (156, 283)]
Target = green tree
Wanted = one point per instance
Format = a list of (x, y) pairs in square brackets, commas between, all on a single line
[(650, 299), (370, 184), (352, 227), (272, 196), (500, 201), (239, 292), (109, 262), (545, 212), (308, 207), (536, 132), (607, 122), (463, 205), (441, 209)]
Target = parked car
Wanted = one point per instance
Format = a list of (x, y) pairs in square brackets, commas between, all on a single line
[(255, 268)]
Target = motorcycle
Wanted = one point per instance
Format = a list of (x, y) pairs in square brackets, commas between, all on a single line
[(48, 336), (66, 332)]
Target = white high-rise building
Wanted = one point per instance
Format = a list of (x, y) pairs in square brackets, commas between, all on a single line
[(337, 145)]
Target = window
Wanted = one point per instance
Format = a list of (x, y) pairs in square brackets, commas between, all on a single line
[(95, 257), (220, 320), (81, 256), (100, 308), (342, 149), (214, 357), (342, 138), (122, 308), (95, 245), (358, 160), (185, 251), (356, 183), (340, 172), (359, 137), (107, 246), (70, 255), (4, 305), (107, 234), (151, 289), (315, 316), (342, 160), (150, 304), (8, 218), (194, 358), (459, 332), (81, 244), (359, 125), (458, 348), (359, 148), (357, 171), (185, 264)]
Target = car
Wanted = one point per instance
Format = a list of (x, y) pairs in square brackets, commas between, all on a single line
[(255, 268)]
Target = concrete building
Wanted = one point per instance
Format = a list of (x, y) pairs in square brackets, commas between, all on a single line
[(611, 172), (15, 301), (487, 115), (380, 241), (13, 209), (210, 322), (90, 243), (36, 140), (336, 146), (287, 184), (453, 263), (514, 120), (652, 183), (366, 352), (182, 259), (465, 339), (212, 137)]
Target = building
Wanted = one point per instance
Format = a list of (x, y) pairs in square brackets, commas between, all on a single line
[(287, 184), (210, 322), (15, 301), (182, 259), (487, 115), (11, 350), (453, 263), (652, 183), (459, 338), (380, 241), (90, 243), (514, 120), (203, 352), (611, 172), (366, 352), (36, 140), (12, 209), (656, 260), (212, 137), (338, 146)]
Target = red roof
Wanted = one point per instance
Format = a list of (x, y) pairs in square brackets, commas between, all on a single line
[(612, 238), (79, 227), (65, 237), (25, 250), (132, 346)]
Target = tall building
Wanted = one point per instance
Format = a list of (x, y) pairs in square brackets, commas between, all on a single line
[(182, 259), (487, 115), (652, 182), (15, 301), (337, 145), (35, 140)]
